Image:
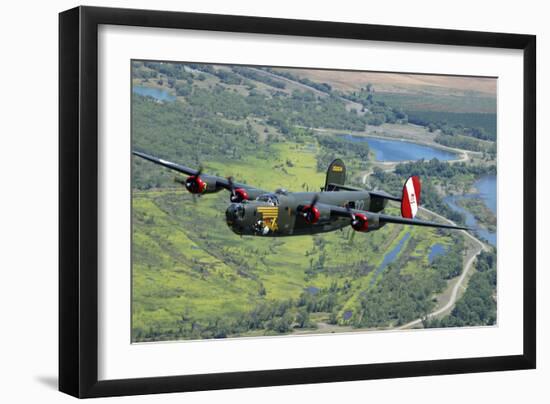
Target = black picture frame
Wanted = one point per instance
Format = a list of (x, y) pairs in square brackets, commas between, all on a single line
[(78, 201)]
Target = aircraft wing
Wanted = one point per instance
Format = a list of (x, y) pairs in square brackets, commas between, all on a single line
[(401, 220), (220, 181), (167, 164), (379, 219), (376, 194)]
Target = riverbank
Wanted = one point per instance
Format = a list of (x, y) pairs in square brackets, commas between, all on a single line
[(404, 133)]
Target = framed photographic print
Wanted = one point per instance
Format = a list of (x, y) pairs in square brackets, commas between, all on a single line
[(251, 201)]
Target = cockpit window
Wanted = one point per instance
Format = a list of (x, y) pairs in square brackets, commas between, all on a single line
[(269, 198)]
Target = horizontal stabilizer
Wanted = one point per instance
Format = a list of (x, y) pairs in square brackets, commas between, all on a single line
[(382, 194), (338, 187)]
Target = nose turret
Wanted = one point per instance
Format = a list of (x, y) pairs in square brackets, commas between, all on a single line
[(234, 214)]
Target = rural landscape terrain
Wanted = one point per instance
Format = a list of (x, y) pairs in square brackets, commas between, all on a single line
[(193, 278)]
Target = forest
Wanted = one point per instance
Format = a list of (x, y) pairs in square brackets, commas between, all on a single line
[(478, 304), (476, 125)]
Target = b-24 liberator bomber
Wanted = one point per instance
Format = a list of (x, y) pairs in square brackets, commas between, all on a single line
[(256, 212)]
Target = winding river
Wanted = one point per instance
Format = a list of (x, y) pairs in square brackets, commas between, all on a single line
[(397, 150), (486, 191)]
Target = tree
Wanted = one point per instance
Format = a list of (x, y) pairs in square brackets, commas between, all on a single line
[(183, 89), (302, 318)]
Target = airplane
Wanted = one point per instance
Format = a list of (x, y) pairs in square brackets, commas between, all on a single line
[(255, 212)]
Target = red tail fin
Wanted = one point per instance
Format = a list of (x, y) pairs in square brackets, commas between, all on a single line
[(410, 200)]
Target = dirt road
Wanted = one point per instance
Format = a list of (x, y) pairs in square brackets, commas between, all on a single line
[(467, 267)]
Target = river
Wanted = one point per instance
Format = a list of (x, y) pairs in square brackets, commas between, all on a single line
[(397, 150), (486, 191)]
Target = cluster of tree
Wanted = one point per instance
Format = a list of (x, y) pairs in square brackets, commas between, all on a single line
[(324, 87), (281, 111), (272, 317), (186, 133), (450, 264), (305, 95), (365, 95), (346, 149), (256, 76), (199, 67), (379, 112), (476, 125), (302, 108), (441, 169), (324, 112), (139, 71), (224, 74), (397, 298), (478, 304), (170, 71), (228, 77), (375, 112), (467, 143)]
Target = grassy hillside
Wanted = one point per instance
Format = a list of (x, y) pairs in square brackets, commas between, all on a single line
[(189, 268)]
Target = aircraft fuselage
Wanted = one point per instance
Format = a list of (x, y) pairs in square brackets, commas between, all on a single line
[(277, 214)]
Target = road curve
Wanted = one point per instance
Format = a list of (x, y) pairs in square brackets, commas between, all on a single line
[(458, 284)]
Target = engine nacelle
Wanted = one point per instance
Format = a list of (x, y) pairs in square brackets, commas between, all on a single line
[(311, 214), (360, 223), (200, 184), (239, 195), (195, 184)]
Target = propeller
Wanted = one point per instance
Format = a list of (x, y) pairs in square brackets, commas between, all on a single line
[(310, 213), (194, 184), (237, 194), (351, 214), (233, 196), (359, 221)]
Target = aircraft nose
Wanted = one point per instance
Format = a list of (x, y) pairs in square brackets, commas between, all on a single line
[(234, 212)]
